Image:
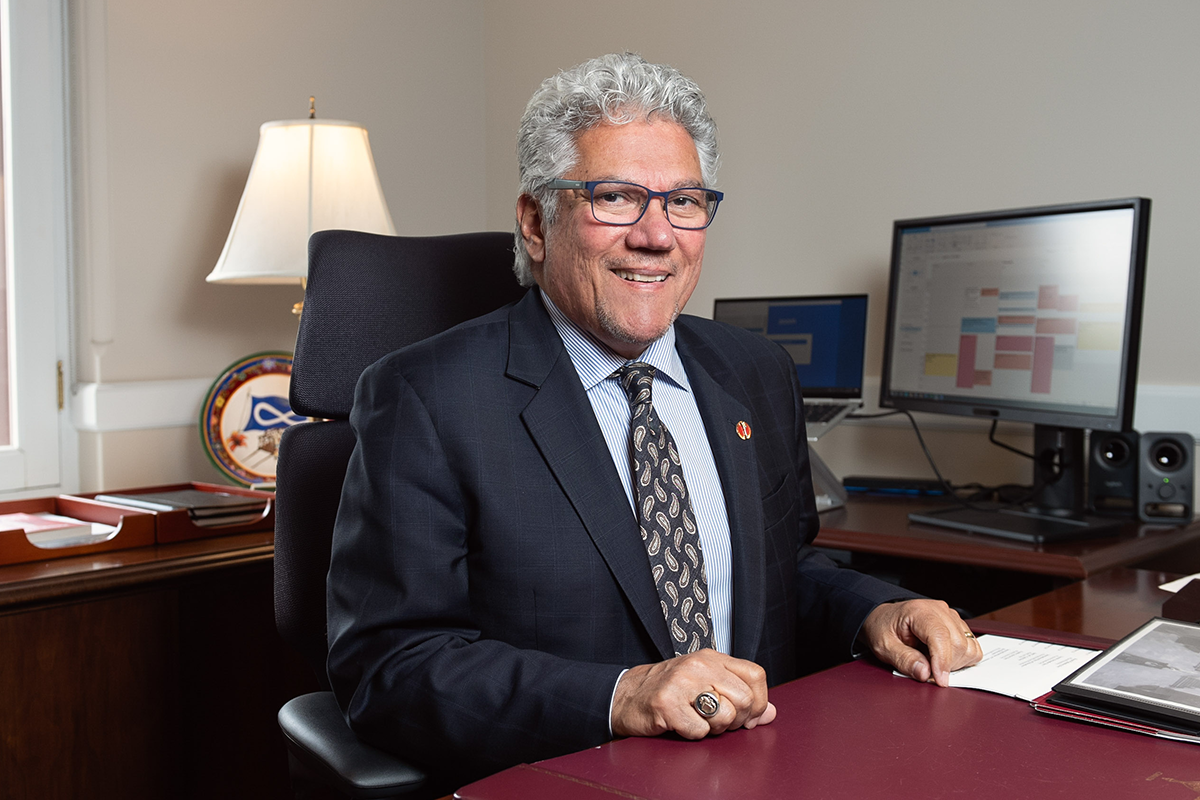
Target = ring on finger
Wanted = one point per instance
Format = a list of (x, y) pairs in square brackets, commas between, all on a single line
[(707, 704), (968, 634)]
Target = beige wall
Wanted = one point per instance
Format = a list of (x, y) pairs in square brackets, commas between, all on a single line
[(169, 97), (857, 112), (860, 112), (186, 86)]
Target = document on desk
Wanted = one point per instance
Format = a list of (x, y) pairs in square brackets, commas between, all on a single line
[(1178, 583), (1019, 667)]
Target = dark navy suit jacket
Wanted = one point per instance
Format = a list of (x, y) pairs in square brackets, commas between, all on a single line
[(488, 583)]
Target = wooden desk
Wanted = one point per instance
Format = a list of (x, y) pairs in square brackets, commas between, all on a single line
[(858, 731), (823, 717), (145, 673), (1109, 605), (880, 526)]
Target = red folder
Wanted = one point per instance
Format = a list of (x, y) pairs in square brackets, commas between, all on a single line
[(858, 731), (1047, 705)]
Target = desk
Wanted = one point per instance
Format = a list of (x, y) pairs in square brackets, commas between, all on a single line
[(146, 673), (880, 526), (1109, 605), (931, 743), (858, 731)]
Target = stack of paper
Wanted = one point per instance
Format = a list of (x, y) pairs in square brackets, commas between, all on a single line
[(51, 531), (1019, 667)]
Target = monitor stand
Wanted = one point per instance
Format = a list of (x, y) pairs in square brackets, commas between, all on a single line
[(1058, 516), (1017, 522), (829, 492)]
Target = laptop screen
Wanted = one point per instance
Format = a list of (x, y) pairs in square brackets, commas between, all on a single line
[(825, 335)]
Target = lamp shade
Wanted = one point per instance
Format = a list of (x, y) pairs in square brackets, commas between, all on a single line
[(308, 175)]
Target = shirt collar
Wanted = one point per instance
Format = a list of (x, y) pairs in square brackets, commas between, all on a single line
[(594, 362)]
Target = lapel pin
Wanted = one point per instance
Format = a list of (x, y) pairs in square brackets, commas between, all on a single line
[(743, 430)]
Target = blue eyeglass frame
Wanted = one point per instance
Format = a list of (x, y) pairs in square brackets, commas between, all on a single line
[(590, 187)]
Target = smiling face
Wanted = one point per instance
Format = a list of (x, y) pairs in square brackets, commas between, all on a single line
[(624, 285)]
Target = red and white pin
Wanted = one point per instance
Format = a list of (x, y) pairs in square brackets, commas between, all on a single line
[(743, 430)]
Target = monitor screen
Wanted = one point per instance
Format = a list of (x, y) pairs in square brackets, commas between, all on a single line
[(824, 334), (1031, 314)]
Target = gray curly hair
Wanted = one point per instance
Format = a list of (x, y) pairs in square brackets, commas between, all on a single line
[(616, 89)]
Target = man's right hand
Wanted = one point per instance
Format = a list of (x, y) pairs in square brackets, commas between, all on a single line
[(655, 698)]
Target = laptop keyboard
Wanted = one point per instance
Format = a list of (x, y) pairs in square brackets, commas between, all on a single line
[(821, 412)]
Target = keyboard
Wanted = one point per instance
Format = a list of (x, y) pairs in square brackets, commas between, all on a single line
[(822, 412)]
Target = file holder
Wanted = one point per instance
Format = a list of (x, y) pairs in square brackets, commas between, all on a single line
[(133, 528), (177, 525)]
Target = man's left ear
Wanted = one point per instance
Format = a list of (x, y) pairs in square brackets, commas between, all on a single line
[(529, 217)]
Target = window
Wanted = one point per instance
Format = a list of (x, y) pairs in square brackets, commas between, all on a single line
[(33, 89), (6, 381)]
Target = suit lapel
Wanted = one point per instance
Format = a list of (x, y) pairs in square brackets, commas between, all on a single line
[(738, 467), (562, 424)]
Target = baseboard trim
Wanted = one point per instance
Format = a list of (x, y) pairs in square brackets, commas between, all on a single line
[(140, 405), (1157, 408)]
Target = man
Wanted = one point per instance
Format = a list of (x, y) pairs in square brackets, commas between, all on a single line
[(499, 591)]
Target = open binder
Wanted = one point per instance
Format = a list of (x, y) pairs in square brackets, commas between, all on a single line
[(1149, 682)]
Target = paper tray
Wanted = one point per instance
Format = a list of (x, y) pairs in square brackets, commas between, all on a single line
[(134, 528), (177, 526)]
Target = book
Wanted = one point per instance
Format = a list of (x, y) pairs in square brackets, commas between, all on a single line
[(50, 531), (199, 504), (1148, 682)]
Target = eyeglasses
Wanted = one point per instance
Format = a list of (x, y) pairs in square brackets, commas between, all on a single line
[(619, 203)]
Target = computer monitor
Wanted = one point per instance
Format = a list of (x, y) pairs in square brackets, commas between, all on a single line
[(1032, 315), (824, 334)]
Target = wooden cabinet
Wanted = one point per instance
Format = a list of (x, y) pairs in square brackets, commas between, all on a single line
[(149, 673)]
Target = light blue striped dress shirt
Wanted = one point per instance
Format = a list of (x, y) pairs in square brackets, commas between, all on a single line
[(676, 407)]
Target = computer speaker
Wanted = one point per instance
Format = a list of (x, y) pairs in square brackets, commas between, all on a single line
[(1113, 473), (1165, 477)]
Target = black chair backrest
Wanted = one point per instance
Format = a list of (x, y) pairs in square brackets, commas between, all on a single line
[(367, 295)]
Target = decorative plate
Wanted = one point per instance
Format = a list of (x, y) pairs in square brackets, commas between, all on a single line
[(245, 413)]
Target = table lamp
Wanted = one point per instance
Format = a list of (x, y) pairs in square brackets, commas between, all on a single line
[(308, 175)]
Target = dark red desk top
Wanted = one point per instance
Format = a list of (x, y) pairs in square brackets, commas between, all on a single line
[(858, 731)]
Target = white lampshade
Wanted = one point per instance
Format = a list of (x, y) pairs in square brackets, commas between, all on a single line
[(308, 175)]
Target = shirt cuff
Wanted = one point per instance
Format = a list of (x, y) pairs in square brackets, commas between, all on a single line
[(612, 699)]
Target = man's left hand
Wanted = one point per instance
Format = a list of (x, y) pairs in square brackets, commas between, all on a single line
[(924, 639)]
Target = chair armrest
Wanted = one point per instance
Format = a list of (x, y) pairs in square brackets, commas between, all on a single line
[(318, 736)]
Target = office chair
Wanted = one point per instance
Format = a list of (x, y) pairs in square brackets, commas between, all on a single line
[(367, 295)]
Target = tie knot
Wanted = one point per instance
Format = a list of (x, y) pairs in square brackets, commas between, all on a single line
[(636, 377)]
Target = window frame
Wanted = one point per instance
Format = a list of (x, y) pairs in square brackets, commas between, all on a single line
[(37, 217)]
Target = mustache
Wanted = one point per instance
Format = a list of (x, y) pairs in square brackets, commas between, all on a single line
[(644, 261)]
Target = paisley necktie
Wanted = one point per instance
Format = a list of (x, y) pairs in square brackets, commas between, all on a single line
[(664, 513)]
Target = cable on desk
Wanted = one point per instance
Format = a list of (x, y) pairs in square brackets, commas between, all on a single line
[(950, 490), (981, 492)]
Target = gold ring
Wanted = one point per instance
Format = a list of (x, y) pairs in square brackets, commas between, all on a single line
[(706, 704), (968, 634)]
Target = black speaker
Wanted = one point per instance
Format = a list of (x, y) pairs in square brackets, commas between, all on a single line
[(1165, 475), (1112, 479)]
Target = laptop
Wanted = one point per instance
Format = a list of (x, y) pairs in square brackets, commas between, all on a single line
[(826, 337)]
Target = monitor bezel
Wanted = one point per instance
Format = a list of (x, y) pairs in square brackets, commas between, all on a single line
[(1039, 414)]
